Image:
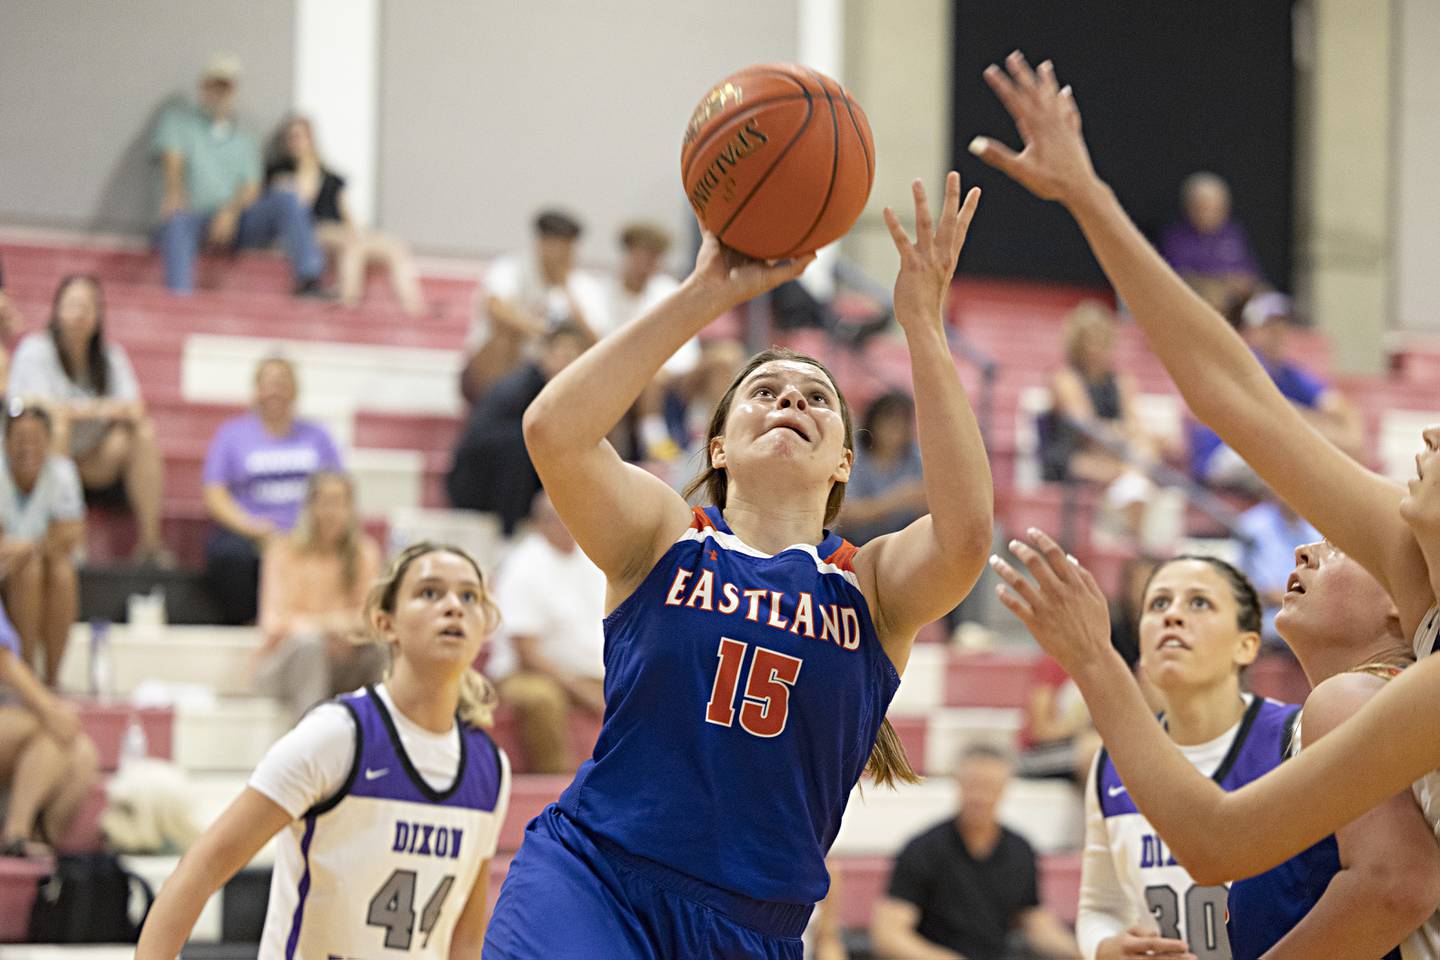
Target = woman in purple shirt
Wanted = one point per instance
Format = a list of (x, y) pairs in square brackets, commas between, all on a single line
[(256, 474)]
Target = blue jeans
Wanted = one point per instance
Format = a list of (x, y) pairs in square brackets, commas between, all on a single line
[(278, 214)]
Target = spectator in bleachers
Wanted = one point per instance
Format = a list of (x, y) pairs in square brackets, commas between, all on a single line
[(1264, 321), (968, 887), (256, 474), (47, 765), (292, 163), (42, 521), (886, 491), (211, 188), (1058, 739), (10, 324), (549, 657), (1090, 395), (526, 294), (634, 288), (690, 406), (1208, 247), (88, 386), (313, 583), (1274, 532), (491, 471)]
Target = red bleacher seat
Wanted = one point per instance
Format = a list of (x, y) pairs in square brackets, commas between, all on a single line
[(989, 679), (19, 880), (106, 724)]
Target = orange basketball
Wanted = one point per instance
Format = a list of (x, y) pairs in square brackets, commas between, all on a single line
[(778, 160)]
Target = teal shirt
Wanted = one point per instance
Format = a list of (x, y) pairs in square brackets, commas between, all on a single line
[(217, 162)]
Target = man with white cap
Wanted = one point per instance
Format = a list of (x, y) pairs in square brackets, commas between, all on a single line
[(1264, 322), (211, 188)]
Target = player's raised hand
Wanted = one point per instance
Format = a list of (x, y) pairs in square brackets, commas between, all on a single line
[(730, 278), (928, 264), (1063, 607), (1055, 163)]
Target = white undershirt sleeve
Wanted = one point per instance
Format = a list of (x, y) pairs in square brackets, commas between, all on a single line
[(310, 763), (1105, 907)]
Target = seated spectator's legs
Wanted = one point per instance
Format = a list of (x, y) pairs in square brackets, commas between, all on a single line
[(25, 604), (62, 601), (541, 708), (180, 239), (130, 452), (296, 672), (278, 214), (47, 780), (352, 250), (232, 567)]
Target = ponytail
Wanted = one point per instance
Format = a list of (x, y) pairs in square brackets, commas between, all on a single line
[(888, 765)]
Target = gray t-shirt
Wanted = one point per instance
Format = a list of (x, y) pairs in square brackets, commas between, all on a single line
[(37, 371), (57, 496)]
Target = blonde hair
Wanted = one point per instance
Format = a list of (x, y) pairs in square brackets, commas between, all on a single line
[(1088, 317), (306, 539), (477, 697)]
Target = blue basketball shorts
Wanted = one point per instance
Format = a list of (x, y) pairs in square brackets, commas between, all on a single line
[(572, 896)]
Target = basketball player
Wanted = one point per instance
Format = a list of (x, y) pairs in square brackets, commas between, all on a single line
[(1200, 627), (1363, 515), (750, 655), (390, 798)]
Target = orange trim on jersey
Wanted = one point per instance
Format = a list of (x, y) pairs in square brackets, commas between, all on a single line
[(844, 555), (702, 519)]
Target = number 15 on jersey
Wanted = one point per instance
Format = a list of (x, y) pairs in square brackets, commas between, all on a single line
[(765, 705)]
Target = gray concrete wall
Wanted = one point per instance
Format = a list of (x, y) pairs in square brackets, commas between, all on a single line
[(82, 81)]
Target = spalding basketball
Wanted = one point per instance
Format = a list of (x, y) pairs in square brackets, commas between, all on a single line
[(778, 161)]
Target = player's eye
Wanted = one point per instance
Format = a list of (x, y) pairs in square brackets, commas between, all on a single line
[(429, 593), (469, 596), (1200, 603), (763, 392), (1159, 603), (818, 397)]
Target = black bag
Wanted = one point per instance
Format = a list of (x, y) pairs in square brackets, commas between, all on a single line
[(87, 900)]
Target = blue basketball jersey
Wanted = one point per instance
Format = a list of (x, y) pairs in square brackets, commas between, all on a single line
[(1181, 908), (388, 863), (743, 693)]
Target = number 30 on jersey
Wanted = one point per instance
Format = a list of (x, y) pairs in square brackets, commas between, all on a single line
[(766, 703)]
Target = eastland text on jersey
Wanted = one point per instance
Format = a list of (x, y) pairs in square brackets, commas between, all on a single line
[(798, 614)]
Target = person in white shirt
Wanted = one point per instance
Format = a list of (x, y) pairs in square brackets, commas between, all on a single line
[(390, 799), (549, 657), (523, 295)]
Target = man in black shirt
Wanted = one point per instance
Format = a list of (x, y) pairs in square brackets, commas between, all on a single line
[(961, 888)]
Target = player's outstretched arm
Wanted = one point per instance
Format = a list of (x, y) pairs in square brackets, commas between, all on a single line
[(1220, 379), (1218, 836), (230, 843), (618, 513), (1389, 879), (921, 572)]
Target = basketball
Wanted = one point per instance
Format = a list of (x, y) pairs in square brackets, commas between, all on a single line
[(777, 161)]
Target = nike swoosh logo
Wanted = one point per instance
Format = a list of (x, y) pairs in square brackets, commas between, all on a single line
[(376, 774), (1115, 791)]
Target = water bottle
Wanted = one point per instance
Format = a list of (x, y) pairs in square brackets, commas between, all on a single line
[(135, 745), (101, 678)]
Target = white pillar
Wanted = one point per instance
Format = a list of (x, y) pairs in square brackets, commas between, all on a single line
[(337, 53)]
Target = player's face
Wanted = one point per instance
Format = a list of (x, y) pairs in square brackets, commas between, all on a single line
[(1331, 599), (1421, 505), (440, 614), (1188, 634), (785, 411)]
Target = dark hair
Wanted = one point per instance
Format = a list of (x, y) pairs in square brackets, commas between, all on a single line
[(277, 149), (645, 236), (97, 364), (887, 404), (1247, 600), (986, 751), (557, 223), (565, 328), (714, 483)]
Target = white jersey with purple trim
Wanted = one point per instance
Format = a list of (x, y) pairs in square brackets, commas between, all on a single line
[(385, 867), (1424, 943)]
